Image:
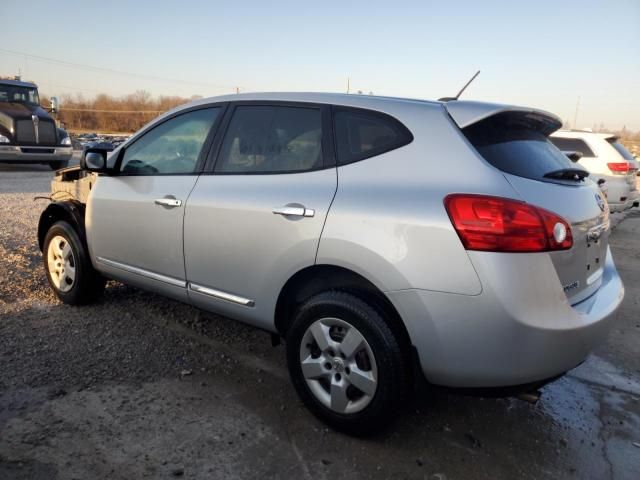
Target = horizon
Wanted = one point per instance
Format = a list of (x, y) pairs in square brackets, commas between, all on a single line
[(260, 47)]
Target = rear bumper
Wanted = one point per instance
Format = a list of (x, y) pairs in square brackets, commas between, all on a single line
[(632, 199), (617, 189), (17, 154), (520, 329)]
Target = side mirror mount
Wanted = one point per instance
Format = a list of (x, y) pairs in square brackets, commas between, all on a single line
[(95, 160), (573, 156), (55, 105)]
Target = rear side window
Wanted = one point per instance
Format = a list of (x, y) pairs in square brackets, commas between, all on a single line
[(272, 139), (620, 148), (514, 144), (572, 145), (363, 134)]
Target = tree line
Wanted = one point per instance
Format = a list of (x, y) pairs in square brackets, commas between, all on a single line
[(108, 114)]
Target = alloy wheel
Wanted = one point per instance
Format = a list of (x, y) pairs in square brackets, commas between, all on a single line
[(61, 263), (338, 365)]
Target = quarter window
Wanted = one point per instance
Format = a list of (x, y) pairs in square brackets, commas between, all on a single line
[(272, 139), (362, 134), (173, 147)]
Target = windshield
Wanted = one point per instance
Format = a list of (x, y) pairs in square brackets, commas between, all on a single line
[(13, 93)]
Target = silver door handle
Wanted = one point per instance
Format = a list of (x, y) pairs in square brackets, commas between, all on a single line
[(168, 202), (294, 211)]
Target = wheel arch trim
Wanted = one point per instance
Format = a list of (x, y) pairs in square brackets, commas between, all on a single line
[(316, 278), (71, 211)]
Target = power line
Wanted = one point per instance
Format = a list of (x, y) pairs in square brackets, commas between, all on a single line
[(63, 109), (68, 87), (109, 70)]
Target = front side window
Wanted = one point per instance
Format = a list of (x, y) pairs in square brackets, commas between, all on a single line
[(272, 139), (173, 147), (572, 145), (362, 134)]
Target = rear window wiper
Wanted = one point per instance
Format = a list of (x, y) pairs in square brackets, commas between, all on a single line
[(576, 174)]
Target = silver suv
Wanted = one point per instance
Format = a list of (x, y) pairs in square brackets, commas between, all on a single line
[(374, 234)]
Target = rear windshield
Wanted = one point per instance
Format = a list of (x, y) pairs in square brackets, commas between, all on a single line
[(572, 145), (513, 145), (626, 154)]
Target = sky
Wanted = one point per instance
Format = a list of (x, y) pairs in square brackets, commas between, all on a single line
[(560, 56)]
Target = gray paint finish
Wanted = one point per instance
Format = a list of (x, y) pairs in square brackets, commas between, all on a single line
[(475, 318), (235, 243), (125, 225)]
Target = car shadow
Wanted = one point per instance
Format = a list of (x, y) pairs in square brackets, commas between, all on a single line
[(134, 339)]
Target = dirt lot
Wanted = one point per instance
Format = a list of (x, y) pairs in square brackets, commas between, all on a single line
[(138, 386)]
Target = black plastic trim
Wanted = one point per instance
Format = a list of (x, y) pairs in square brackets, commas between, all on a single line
[(73, 210)]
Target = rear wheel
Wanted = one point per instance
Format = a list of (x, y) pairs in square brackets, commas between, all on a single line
[(346, 363), (58, 165), (68, 266)]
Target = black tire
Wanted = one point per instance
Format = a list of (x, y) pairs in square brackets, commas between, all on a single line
[(58, 165), (393, 365), (88, 284)]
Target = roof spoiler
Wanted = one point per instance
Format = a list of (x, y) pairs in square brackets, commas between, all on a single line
[(467, 112)]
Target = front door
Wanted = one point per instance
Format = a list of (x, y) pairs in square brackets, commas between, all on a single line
[(257, 218), (135, 218)]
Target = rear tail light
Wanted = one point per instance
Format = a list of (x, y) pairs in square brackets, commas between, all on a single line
[(620, 168), (496, 224)]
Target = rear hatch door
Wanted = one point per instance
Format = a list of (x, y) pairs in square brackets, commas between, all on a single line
[(515, 141)]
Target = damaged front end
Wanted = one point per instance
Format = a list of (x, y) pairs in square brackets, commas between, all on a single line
[(72, 183)]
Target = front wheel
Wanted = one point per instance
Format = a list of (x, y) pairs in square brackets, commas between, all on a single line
[(68, 266), (58, 164), (347, 363)]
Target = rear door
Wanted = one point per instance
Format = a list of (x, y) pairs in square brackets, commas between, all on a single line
[(257, 217), (517, 144), (135, 218)]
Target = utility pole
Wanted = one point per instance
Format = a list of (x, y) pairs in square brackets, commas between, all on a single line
[(575, 115), (348, 84)]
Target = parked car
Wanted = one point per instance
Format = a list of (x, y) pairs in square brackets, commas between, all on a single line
[(101, 144), (605, 158), (374, 234)]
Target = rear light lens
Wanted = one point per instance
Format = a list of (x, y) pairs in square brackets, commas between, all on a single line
[(620, 168), (496, 224)]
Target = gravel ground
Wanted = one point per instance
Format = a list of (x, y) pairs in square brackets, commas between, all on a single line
[(138, 386)]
